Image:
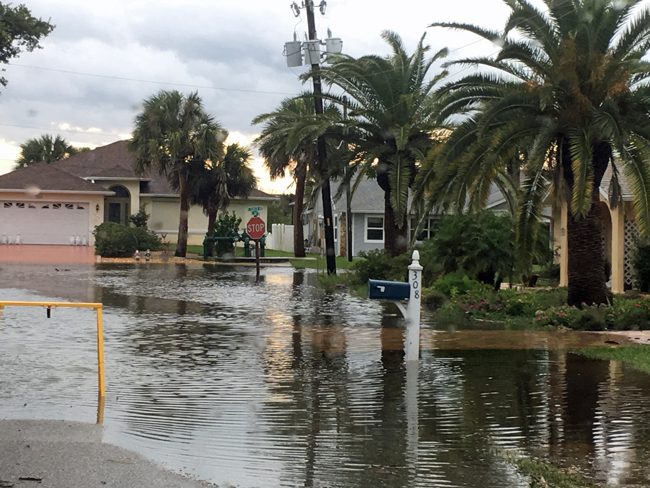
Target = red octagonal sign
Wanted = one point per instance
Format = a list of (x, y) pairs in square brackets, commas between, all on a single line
[(255, 228)]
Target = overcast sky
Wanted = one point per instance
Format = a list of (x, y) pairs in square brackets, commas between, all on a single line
[(104, 58)]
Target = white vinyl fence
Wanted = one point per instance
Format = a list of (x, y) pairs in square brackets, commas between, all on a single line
[(280, 238)]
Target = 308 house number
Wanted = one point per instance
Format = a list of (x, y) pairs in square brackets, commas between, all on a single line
[(415, 285)]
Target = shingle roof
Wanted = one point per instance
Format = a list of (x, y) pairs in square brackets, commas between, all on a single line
[(46, 177), (113, 160)]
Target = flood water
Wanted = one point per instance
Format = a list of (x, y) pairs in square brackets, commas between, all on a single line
[(281, 384)]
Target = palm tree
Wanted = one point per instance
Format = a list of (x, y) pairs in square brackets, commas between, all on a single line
[(217, 182), (173, 134), (392, 114), (570, 85), (44, 149), (284, 148)]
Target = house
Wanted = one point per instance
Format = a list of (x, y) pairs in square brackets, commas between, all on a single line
[(61, 203), (367, 213)]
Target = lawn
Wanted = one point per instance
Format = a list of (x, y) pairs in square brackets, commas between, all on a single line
[(637, 357), (316, 261), (239, 252)]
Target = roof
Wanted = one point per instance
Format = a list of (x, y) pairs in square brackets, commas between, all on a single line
[(113, 160), (626, 191), (47, 177), (367, 198)]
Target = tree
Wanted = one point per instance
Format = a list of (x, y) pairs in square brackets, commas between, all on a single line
[(285, 149), (218, 181), (19, 31), (173, 135), (44, 149), (392, 114), (570, 85)]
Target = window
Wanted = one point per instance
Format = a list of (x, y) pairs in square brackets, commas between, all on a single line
[(56, 205), (20, 204), (428, 230), (374, 229), (7, 204), (69, 206)]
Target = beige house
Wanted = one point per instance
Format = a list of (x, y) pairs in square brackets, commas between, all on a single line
[(620, 235), (61, 203)]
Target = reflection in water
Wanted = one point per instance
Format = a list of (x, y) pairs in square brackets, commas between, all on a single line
[(282, 384)]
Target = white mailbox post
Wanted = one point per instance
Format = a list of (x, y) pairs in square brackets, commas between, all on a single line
[(413, 309), (396, 291)]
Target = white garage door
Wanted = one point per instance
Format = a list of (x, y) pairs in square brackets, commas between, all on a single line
[(43, 222)]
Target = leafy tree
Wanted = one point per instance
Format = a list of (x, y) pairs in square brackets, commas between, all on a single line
[(392, 115), (218, 181), (19, 31), (280, 212), (174, 135), (44, 149), (570, 85)]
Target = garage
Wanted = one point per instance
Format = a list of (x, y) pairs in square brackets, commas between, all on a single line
[(41, 222)]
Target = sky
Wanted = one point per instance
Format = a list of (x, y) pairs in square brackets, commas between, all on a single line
[(88, 81)]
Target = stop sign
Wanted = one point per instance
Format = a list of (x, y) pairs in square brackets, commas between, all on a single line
[(255, 228)]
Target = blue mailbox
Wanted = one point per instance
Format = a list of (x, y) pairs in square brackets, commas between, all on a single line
[(388, 290)]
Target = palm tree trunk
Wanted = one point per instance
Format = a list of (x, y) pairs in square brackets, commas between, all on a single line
[(395, 239), (586, 261), (181, 243), (212, 223), (298, 204)]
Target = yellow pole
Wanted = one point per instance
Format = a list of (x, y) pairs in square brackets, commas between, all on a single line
[(100, 352)]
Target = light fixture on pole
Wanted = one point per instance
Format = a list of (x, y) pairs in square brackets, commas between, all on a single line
[(312, 54)]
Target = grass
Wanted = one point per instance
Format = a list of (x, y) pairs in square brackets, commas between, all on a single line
[(637, 357), (239, 252), (542, 474), (319, 262)]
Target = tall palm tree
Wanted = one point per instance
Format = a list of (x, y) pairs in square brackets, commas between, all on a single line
[(44, 149), (218, 181), (285, 148), (172, 135), (569, 84), (392, 111)]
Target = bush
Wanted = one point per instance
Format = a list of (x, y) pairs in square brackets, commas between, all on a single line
[(433, 298), (377, 265), (227, 225), (479, 245), (641, 264), (139, 219), (117, 240), (455, 284)]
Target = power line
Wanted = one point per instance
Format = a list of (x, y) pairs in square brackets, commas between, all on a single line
[(51, 129), (155, 82)]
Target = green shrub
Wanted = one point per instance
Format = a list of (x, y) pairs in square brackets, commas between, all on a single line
[(479, 245), (641, 264), (377, 265), (117, 240), (590, 318), (433, 298), (626, 314), (139, 219), (227, 225), (455, 284), (451, 315)]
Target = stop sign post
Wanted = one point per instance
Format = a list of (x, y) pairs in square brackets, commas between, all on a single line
[(256, 228)]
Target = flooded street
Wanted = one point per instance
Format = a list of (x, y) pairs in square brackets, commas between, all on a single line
[(282, 384)]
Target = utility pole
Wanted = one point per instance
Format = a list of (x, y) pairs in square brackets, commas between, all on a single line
[(348, 195), (322, 150)]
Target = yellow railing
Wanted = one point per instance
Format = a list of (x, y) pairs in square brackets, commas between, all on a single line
[(100, 339)]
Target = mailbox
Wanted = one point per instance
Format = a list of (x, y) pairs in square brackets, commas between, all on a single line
[(388, 290)]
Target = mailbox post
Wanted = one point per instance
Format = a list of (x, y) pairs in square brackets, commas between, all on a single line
[(397, 291)]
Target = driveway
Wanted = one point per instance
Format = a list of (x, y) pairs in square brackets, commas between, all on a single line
[(46, 254)]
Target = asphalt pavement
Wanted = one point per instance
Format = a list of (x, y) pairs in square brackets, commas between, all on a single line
[(62, 454)]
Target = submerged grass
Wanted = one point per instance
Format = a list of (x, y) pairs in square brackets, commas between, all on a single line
[(637, 357), (542, 474)]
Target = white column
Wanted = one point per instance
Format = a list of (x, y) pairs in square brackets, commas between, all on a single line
[(413, 310)]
